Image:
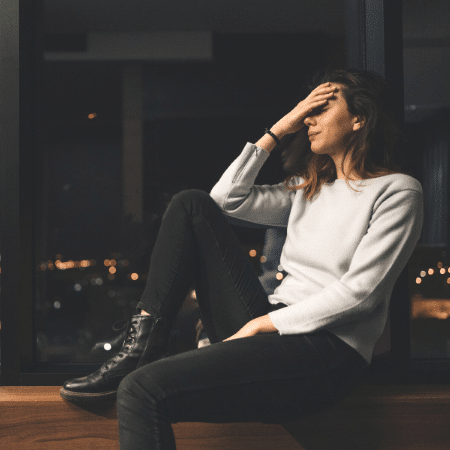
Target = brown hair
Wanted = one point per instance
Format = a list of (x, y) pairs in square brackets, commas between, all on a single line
[(367, 95)]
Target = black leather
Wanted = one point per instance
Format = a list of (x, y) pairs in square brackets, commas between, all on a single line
[(146, 341), (98, 348)]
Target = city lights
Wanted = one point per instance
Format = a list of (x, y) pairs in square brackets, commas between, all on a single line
[(442, 270), (96, 281), (430, 308), (63, 265), (422, 305)]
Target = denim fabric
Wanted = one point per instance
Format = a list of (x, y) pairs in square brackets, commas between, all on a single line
[(263, 378)]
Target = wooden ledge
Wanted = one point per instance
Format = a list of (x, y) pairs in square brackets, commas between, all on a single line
[(388, 417), (373, 393)]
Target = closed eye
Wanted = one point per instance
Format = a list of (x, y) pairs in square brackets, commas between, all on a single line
[(318, 110)]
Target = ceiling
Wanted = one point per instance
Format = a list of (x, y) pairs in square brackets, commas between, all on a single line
[(223, 16), (420, 19)]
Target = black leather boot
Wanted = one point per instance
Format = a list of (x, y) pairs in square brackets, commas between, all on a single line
[(113, 345), (146, 341)]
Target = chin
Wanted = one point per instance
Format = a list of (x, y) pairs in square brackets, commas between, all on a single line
[(318, 151)]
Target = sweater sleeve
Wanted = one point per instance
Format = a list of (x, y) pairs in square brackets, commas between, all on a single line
[(393, 232), (237, 196)]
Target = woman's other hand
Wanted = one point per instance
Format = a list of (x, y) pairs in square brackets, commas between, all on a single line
[(261, 324)]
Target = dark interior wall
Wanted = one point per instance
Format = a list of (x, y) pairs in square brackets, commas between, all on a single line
[(426, 57), (200, 115), (197, 118), (80, 171)]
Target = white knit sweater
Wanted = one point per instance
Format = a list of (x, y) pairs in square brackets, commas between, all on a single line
[(343, 251)]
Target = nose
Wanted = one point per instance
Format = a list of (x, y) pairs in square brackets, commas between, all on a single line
[(308, 121)]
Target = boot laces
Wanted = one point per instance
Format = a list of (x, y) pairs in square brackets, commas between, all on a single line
[(129, 340)]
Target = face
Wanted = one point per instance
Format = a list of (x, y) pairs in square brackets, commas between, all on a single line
[(331, 127)]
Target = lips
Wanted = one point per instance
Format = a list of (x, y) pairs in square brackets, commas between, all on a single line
[(312, 133)]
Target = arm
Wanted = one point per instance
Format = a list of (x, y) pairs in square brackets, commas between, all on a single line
[(238, 197), (235, 192), (381, 255)]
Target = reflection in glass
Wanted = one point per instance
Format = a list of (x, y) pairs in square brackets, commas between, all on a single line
[(123, 136), (426, 63)]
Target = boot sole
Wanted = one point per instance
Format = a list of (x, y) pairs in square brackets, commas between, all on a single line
[(87, 397)]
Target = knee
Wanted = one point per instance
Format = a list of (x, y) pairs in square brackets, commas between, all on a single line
[(137, 387), (190, 200), (191, 195), (126, 388), (130, 390)]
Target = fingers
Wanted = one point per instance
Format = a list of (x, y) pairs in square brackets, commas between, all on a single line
[(325, 95), (323, 89), (325, 86), (321, 93), (318, 102)]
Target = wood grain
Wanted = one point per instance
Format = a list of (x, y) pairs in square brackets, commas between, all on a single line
[(406, 417)]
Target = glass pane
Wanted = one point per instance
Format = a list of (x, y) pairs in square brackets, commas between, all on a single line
[(427, 112), (124, 134)]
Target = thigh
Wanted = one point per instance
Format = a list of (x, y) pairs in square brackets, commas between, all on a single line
[(228, 289), (264, 378), (196, 245)]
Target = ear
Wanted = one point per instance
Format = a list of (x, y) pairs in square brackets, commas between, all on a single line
[(358, 123)]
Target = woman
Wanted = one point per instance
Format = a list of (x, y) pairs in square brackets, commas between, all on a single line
[(302, 349)]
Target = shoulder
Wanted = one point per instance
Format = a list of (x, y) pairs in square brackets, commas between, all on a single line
[(388, 185), (398, 191), (400, 182)]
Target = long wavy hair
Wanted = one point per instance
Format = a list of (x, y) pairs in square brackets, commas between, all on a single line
[(371, 148)]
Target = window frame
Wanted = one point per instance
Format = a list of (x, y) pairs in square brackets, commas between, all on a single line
[(373, 41)]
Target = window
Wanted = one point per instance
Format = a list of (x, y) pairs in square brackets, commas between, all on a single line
[(427, 114), (108, 136)]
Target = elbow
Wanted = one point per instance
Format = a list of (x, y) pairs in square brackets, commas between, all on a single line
[(218, 198)]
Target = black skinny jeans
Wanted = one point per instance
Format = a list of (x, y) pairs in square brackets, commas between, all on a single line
[(264, 378)]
